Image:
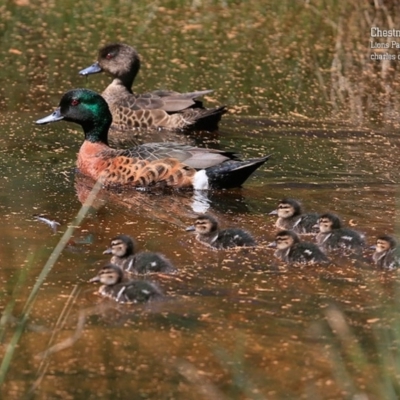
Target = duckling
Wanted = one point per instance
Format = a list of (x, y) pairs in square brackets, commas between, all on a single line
[(291, 250), (141, 166), (161, 108), (123, 254), (386, 256), (114, 286), (207, 230), (291, 217), (332, 235)]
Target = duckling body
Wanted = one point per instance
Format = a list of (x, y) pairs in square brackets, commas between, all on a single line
[(386, 255), (161, 108), (123, 255), (291, 217), (114, 286), (332, 235), (207, 232), (291, 250), (142, 166)]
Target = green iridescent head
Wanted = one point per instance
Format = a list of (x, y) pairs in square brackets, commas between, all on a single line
[(86, 108)]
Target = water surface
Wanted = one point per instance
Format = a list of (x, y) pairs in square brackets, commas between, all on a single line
[(235, 324)]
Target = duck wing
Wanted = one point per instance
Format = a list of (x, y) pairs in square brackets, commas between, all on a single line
[(165, 100), (191, 156), (127, 118)]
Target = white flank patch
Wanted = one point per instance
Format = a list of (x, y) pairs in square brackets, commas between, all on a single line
[(130, 265), (120, 293), (381, 256), (326, 238), (214, 238), (200, 180), (297, 222), (153, 264), (392, 265), (309, 252), (349, 238)]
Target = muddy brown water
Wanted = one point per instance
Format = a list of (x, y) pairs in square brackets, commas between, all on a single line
[(235, 324)]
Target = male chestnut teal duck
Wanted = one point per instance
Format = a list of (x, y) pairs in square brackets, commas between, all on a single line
[(332, 234), (123, 254), (158, 109), (208, 232), (291, 250), (386, 253), (147, 165), (115, 287), (291, 217)]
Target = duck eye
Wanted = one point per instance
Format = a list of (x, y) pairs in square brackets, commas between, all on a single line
[(109, 56), (74, 102)]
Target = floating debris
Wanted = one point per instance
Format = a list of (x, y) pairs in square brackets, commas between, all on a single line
[(42, 218)]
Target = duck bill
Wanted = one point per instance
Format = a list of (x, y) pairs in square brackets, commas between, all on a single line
[(275, 212), (56, 116), (372, 247), (95, 279), (190, 228), (93, 69), (108, 251), (272, 245)]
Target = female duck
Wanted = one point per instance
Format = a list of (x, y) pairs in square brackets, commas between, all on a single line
[(166, 109), (123, 254), (207, 230), (332, 235), (386, 255), (114, 286), (145, 166), (291, 217), (291, 250)]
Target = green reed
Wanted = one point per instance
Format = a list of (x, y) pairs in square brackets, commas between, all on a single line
[(29, 304)]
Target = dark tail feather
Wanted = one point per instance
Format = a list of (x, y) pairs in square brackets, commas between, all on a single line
[(194, 96), (233, 173), (207, 119)]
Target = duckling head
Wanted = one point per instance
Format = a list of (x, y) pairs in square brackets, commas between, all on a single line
[(327, 222), (385, 243), (287, 208), (286, 239), (121, 246), (109, 275), (204, 225)]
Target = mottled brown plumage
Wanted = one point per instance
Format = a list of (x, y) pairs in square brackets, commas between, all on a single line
[(165, 109), (145, 166), (117, 167)]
